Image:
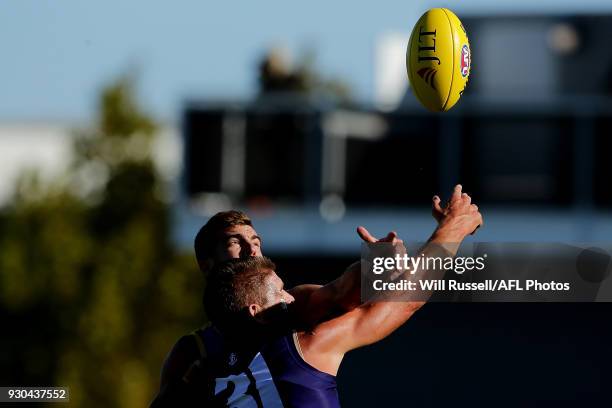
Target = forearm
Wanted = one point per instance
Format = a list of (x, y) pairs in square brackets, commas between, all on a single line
[(383, 315), (444, 243), (347, 288), (445, 236)]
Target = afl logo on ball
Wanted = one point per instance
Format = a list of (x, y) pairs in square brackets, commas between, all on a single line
[(465, 61)]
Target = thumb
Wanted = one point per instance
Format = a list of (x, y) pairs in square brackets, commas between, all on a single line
[(436, 209), (436, 203)]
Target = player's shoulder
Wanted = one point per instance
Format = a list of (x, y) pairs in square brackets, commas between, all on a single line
[(186, 346), (184, 352), (324, 346)]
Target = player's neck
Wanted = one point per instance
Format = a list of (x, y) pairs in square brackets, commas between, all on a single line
[(245, 335)]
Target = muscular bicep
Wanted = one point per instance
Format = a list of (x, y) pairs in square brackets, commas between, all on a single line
[(363, 325), (302, 293), (308, 308), (315, 303)]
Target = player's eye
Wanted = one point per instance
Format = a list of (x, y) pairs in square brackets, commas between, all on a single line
[(233, 242)]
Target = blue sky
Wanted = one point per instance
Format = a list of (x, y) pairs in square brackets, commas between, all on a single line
[(55, 55)]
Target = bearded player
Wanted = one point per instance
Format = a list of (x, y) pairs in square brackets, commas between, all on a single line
[(230, 235), (311, 306)]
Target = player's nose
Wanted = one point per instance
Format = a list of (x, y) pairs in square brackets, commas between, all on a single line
[(288, 298), (248, 250)]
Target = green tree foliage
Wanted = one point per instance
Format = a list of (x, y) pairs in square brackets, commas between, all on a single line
[(92, 292)]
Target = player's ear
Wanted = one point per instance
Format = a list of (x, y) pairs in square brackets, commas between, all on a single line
[(254, 309)]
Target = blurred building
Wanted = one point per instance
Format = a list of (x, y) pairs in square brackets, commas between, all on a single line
[(32, 146)]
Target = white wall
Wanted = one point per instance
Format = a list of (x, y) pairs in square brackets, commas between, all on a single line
[(47, 147)]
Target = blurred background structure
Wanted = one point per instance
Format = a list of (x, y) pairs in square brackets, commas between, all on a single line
[(118, 141), (529, 141)]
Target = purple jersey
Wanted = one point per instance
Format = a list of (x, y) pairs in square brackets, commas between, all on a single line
[(276, 376)]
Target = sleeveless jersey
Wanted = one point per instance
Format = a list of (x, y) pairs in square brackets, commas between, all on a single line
[(275, 376)]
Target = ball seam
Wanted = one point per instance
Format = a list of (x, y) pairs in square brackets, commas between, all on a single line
[(450, 89)]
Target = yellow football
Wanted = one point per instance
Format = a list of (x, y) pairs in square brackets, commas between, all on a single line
[(438, 59)]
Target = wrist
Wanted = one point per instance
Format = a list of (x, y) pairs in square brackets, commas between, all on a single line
[(446, 234), (447, 239)]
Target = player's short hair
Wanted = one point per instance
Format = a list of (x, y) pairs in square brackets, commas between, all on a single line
[(235, 284), (207, 238)]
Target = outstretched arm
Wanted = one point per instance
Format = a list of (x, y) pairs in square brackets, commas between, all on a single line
[(373, 321), (315, 303)]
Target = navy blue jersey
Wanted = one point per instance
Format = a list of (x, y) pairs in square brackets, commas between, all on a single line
[(275, 376), (298, 383)]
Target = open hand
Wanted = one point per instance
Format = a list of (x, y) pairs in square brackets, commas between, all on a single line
[(459, 215)]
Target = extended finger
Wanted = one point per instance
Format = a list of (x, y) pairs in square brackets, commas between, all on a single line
[(456, 194), (365, 234), (466, 198)]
